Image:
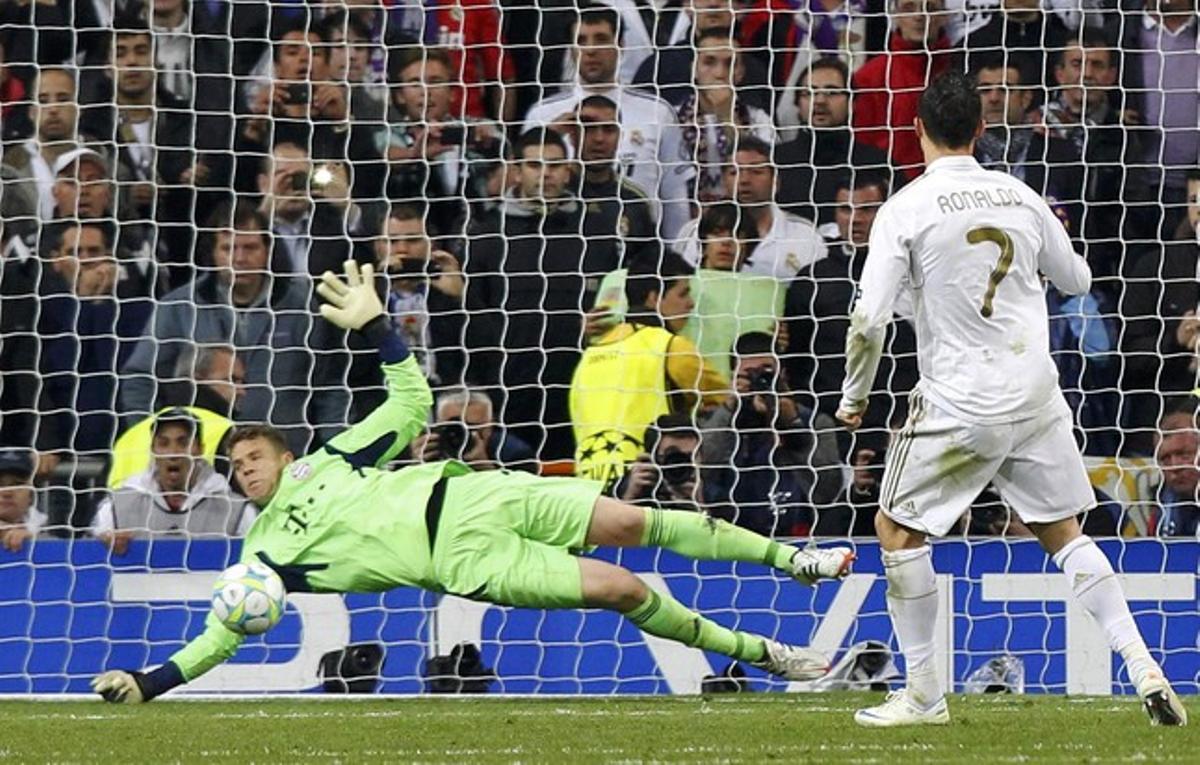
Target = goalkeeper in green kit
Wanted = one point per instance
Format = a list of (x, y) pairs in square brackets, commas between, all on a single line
[(336, 521)]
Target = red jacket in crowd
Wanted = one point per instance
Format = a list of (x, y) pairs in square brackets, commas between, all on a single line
[(12, 92), (887, 90), (469, 30)]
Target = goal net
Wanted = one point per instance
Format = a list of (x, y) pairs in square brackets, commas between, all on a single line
[(622, 239)]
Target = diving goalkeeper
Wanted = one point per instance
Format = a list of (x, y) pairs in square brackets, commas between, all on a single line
[(335, 521)]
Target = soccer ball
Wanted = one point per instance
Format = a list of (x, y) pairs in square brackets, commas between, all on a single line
[(249, 598)]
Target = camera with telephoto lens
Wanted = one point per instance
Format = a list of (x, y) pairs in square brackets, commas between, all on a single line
[(677, 468), (452, 437), (763, 380)]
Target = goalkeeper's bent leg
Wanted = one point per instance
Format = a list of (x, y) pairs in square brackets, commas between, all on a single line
[(659, 614)]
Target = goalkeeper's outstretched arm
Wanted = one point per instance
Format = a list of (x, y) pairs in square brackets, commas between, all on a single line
[(353, 304), (215, 645)]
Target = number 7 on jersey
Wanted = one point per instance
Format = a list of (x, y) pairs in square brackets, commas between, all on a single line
[(1002, 240)]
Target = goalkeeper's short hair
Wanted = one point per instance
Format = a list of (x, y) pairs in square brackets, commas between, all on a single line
[(270, 434)]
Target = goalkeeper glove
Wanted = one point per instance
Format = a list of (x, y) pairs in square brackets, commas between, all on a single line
[(119, 687), (351, 304)]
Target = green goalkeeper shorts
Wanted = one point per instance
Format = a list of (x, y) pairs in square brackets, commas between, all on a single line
[(507, 538)]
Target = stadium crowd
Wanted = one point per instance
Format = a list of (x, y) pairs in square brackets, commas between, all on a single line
[(623, 237)]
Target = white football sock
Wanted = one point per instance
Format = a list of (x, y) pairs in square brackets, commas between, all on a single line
[(1098, 591), (912, 603)]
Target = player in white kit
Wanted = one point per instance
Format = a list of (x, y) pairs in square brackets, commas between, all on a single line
[(970, 246)]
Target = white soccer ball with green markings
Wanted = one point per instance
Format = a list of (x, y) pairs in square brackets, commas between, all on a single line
[(249, 598)]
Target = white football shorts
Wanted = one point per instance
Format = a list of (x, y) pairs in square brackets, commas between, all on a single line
[(938, 464)]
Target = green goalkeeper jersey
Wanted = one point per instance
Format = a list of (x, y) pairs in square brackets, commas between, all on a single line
[(340, 523)]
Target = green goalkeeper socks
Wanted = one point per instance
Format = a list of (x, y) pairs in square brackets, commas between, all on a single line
[(703, 538), (665, 617)]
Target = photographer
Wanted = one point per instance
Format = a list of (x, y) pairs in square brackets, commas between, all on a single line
[(465, 429), (306, 101), (312, 215), (666, 473), (853, 513), (424, 293), (768, 459), (430, 147)]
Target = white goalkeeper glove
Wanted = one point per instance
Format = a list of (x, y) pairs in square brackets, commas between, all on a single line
[(351, 304), (119, 687)]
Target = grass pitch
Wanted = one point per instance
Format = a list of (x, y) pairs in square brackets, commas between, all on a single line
[(751, 729)]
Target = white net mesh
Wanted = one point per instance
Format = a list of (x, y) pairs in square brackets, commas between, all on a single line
[(535, 182)]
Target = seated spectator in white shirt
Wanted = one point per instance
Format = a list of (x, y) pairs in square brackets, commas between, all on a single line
[(179, 495), (786, 243), (20, 519)]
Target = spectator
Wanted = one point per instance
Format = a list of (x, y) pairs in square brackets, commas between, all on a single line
[(471, 32), (1011, 143), (178, 495), (668, 71), (638, 26), (1177, 451), (528, 284), (20, 517), (824, 147), (91, 312), (348, 44), (767, 31), (1082, 113), (209, 383), (1083, 345), (308, 109), (1024, 37), (12, 96), (84, 191), (424, 294), (727, 238), (465, 429), (431, 149), (83, 186), (616, 205), (1161, 62), (198, 62), (819, 303), (713, 115), (786, 243), (1161, 335), (667, 473), (729, 302), (312, 214), (292, 378), (639, 370), (836, 29), (650, 152), (768, 459), (153, 135), (29, 175), (888, 87), (853, 512)]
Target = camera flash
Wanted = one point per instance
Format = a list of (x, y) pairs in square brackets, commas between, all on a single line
[(322, 176)]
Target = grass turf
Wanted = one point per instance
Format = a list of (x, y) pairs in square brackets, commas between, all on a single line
[(753, 729)]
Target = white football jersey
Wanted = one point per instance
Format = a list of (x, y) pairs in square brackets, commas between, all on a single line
[(971, 246), (792, 245), (650, 152)]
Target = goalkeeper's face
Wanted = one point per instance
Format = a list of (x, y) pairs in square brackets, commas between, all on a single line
[(258, 465)]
